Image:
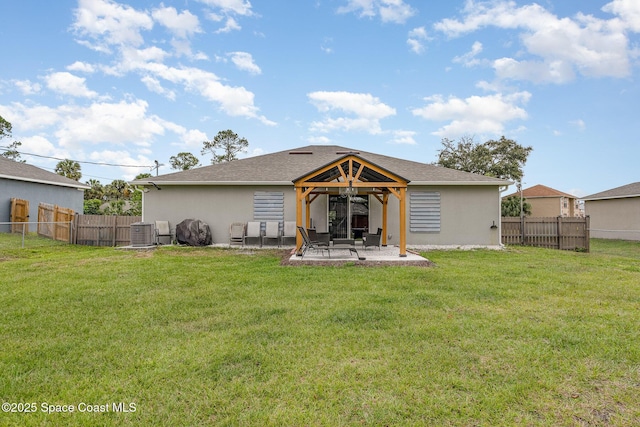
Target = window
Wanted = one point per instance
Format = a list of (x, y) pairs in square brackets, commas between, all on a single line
[(268, 206), (424, 212)]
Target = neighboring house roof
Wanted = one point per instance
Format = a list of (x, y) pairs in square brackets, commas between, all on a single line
[(629, 190), (285, 166), (18, 171), (538, 191)]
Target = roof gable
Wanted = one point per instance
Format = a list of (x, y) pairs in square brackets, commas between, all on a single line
[(18, 171), (539, 191), (629, 190)]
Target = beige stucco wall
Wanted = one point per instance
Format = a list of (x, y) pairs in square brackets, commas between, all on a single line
[(614, 218), (545, 206), (467, 212)]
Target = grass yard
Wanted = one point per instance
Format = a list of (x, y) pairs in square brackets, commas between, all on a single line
[(197, 337)]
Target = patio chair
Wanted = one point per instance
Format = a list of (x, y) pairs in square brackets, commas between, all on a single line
[(289, 231), (308, 244), (236, 233), (319, 238), (272, 231), (369, 239), (161, 230), (253, 232)]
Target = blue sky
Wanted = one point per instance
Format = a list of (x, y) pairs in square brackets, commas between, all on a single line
[(131, 82)]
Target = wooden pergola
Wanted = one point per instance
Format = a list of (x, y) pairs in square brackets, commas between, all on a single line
[(346, 174)]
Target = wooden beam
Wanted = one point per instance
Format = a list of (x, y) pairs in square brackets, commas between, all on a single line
[(299, 198), (385, 203), (403, 222)]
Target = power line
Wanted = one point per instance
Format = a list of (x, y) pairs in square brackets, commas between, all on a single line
[(82, 161)]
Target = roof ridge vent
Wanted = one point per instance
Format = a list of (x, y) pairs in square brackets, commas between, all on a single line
[(300, 152), (348, 152)]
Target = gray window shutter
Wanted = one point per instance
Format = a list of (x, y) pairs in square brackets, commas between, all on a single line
[(424, 209), (268, 206)]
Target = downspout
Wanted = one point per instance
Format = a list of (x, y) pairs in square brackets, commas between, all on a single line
[(142, 201)]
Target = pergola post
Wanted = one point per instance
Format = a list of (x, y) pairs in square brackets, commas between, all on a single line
[(385, 204), (403, 222), (299, 197)]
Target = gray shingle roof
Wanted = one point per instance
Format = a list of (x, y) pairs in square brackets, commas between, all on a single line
[(629, 190), (285, 166), (24, 172)]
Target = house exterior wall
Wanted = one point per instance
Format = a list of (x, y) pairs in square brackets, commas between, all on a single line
[(218, 206), (36, 193), (545, 206), (614, 218), (467, 212)]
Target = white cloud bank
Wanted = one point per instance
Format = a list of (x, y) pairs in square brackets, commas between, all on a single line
[(556, 49)]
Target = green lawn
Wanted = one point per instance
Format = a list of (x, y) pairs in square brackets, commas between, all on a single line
[(192, 337)]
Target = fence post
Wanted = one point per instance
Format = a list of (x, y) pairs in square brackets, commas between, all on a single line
[(115, 231), (559, 233), (587, 232)]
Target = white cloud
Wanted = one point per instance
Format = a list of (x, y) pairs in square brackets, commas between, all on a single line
[(318, 140), (123, 157), (469, 59), (113, 26), (404, 137), (113, 123), (230, 25), (68, 84), (82, 67), (238, 7), (367, 109), (38, 144), (579, 124), (558, 48), (416, 40), (627, 10), (155, 86), (27, 87), (396, 11), (475, 114), (244, 62), (182, 25), (110, 23)]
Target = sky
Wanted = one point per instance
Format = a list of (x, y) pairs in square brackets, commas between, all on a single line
[(118, 85)]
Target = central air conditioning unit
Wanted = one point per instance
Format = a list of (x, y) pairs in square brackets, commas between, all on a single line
[(141, 234)]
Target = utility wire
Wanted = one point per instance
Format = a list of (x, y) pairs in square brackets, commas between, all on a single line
[(82, 161)]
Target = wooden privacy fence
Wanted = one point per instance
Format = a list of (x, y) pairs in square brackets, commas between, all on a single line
[(104, 230), (565, 233), (55, 222)]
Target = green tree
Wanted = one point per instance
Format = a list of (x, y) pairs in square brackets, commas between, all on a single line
[(136, 198), (10, 152), (184, 161), (5, 128), (228, 142), (96, 191), (69, 168), (92, 207), (504, 158), (118, 189), (511, 206)]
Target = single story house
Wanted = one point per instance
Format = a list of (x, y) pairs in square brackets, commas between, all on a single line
[(615, 213), (30, 186), (549, 202), (337, 190)]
